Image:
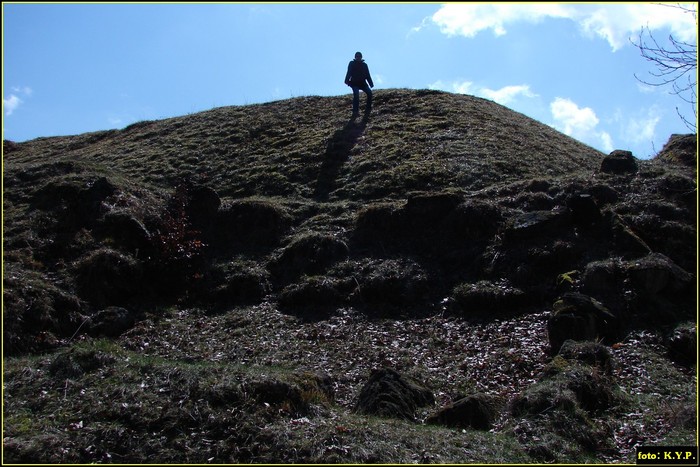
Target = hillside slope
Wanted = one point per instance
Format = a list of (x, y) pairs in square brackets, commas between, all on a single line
[(415, 140), (221, 286)]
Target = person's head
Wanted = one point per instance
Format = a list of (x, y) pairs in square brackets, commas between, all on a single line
[(358, 55)]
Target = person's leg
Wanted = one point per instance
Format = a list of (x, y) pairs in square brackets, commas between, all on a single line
[(355, 100)]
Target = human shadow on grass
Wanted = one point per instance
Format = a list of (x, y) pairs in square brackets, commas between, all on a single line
[(337, 153)]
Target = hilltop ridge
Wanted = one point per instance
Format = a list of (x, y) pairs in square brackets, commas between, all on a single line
[(413, 140)]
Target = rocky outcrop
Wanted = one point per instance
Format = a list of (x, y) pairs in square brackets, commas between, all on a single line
[(682, 343), (561, 405), (591, 353), (310, 254), (579, 317), (680, 149), (619, 162), (388, 393), (477, 411), (111, 322)]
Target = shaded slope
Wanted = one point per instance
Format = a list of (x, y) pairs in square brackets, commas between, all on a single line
[(436, 195)]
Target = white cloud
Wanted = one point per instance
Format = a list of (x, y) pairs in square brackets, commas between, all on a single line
[(463, 87), (26, 90), (569, 118), (507, 94), (639, 128), (642, 130), (14, 101), (419, 28), (468, 20), (572, 118), (606, 142), (615, 23), (646, 88), (579, 123), (503, 96), (10, 104)]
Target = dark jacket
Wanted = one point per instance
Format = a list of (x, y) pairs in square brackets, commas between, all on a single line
[(358, 74)]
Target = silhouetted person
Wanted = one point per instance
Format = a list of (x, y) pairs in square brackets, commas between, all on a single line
[(357, 78)]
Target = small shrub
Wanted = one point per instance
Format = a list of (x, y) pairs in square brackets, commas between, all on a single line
[(178, 262), (176, 240)]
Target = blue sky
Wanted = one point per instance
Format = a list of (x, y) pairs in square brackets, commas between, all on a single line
[(75, 68)]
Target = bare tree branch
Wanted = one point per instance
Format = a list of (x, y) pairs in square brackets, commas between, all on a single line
[(676, 65)]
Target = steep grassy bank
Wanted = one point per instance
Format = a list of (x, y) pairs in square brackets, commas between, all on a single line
[(221, 287)]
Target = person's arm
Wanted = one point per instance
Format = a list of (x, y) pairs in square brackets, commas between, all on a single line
[(369, 77), (348, 75)]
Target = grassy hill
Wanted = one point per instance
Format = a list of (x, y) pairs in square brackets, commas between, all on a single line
[(301, 148), (232, 286)]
